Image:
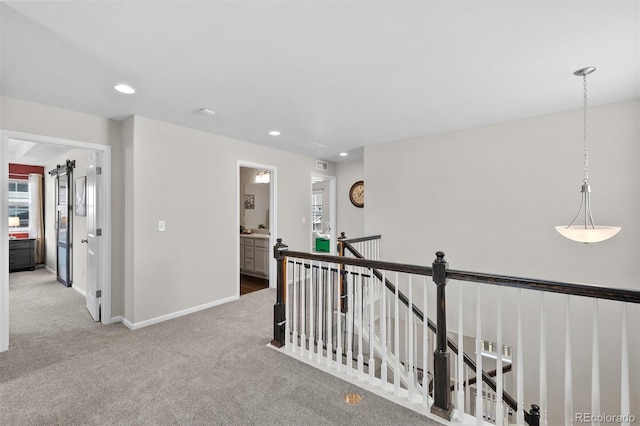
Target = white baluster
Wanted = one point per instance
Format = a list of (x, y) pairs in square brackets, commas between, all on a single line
[(543, 364), (479, 382), (383, 332), (460, 359), (389, 310), (425, 345), (595, 366), (339, 322), (350, 293), (396, 339), (467, 395), (321, 286), (406, 338), (372, 329), (359, 310), (499, 377), (520, 364), (625, 403), (295, 308), (410, 337), (287, 307), (303, 317), (329, 316), (311, 313), (568, 374)]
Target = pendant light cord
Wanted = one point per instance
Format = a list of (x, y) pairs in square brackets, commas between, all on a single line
[(586, 151)]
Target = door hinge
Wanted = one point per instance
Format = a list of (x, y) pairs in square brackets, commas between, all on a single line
[(98, 293), (98, 170), (99, 232)]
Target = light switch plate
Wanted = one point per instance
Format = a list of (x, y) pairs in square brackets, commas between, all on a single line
[(162, 225)]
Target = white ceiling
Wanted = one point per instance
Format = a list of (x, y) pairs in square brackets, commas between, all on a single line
[(33, 153), (340, 74)]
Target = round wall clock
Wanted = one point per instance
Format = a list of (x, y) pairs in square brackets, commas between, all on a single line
[(356, 194)]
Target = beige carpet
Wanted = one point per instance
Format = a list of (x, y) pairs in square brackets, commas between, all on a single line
[(208, 368)]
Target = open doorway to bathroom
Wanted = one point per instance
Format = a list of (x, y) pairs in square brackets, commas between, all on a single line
[(255, 214)]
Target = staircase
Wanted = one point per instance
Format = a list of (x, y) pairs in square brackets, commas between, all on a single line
[(368, 322)]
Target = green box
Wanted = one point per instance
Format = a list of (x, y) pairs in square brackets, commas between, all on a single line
[(322, 245)]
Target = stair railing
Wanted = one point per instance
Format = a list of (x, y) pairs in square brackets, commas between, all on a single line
[(358, 274), (355, 247)]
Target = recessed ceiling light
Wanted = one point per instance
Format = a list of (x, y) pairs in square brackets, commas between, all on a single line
[(343, 154), (274, 133), (206, 111), (124, 88)]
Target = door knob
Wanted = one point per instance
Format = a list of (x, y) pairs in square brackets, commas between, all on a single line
[(84, 241)]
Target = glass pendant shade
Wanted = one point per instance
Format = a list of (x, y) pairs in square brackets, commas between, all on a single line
[(588, 232), (588, 235)]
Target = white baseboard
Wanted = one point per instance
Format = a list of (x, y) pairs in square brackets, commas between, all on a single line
[(128, 324), (156, 320), (79, 290), (114, 320), (53, 271)]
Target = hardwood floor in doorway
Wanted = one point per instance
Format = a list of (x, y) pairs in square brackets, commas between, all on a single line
[(250, 284)]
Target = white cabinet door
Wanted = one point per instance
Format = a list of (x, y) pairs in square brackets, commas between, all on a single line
[(261, 262)]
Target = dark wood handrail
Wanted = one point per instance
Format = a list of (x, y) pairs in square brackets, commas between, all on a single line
[(359, 239), (574, 289), (364, 263)]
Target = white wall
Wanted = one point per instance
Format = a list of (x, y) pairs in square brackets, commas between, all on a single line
[(188, 265), (350, 219), (259, 215), (156, 274), (490, 198)]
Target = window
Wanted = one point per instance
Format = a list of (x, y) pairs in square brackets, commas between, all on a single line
[(19, 201), (316, 211)]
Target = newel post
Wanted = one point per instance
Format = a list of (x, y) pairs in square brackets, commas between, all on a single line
[(343, 288), (441, 376), (534, 415), (279, 253)]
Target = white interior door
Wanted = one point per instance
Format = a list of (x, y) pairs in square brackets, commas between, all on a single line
[(93, 263)]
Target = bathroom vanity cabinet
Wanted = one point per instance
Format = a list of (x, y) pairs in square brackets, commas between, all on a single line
[(254, 255)]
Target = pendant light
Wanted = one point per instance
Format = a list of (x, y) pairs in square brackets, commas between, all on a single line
[(588, 232)]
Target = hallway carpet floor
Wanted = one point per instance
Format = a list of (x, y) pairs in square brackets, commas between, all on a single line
[(208, 368)]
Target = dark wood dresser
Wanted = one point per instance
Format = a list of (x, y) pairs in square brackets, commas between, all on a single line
[(22, 254)]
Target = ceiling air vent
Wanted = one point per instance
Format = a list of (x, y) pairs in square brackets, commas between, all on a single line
[(322, 165)]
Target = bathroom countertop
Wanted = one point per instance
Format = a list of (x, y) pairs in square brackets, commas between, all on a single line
[(253, 235)]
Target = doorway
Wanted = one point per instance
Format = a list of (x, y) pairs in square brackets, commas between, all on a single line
[(103, 206), (256, 225), (323, 214)]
